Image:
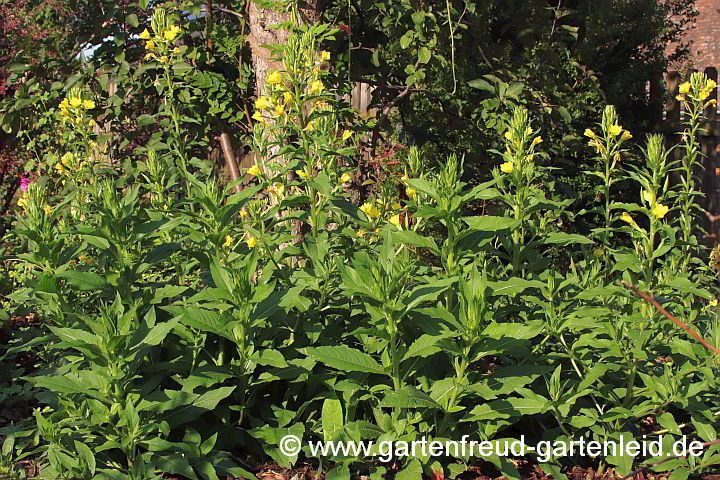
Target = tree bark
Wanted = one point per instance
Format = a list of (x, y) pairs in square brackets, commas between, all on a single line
[(261, 19)]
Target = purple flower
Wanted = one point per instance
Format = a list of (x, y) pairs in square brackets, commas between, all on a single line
[(24, 184)]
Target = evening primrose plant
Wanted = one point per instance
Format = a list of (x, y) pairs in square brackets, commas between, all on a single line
[(694, 97), (187, 328)]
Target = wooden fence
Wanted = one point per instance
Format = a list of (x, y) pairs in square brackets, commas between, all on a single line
[(662, 90)]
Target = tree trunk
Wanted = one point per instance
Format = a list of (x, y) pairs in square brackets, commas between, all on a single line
[(261, 19)]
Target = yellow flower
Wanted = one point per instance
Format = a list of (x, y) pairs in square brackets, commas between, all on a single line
[(171, 34), (647, 196), (177, 51), (254, 171), (279, 109), (680, 97), (145, 35), (316, 87), (370, 210), (712, 102), (710, 85), (75, 102), (165, 207), (22, 202), (48, 209), (345, 178), (64, 103), (625, 217), (274, 78), (149, 45), (395, 219), (149, 56), (60, 169), (599, 252), (537, 141), (626, 136), (301, 173), (703, 94), (228, 241), (660, 210), (324, 56), (411, 192), (262, 103), (89, 104), (346, 134), (163, 59), (243, 213), (684, 88), (590, 133), (258, 117), (310, 127), (251, 241), (360, 233), (277, 189), (508, 135), (528, 131), (615, 130), (713, 303), (507, 167), (287, 97), (66, 159)]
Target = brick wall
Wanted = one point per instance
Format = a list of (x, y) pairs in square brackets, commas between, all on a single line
[(706, 35)]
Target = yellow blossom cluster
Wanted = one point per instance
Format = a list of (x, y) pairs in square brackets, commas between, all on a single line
[(69, 163), (613, 132), (74, 108), (158, 46), (698, 92)]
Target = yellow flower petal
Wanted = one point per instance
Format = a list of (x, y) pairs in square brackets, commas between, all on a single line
[(615, 130), (145, 35), (274, 78), (345, 178), (254, 171), (507, 167), (346, 134), (660, 210)]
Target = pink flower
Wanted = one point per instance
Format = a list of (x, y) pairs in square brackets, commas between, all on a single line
[(24, 184)]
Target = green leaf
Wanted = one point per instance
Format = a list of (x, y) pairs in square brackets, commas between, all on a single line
[(339, 472), (408, 397), (412, 472), (489, 223), (561, 238), (409, 237), (86, 455), (345, 358), (158, 333), (85, 281), (482, 84), (424, 55), (332, 418), (132, 19)]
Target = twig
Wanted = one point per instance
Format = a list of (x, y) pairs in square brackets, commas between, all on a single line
[(652, 465), (677, 322)]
